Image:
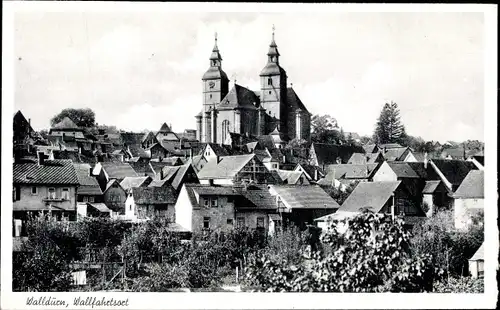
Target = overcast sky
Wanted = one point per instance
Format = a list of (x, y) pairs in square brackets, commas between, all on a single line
[(138, 70)]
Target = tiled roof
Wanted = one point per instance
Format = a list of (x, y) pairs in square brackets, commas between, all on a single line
[(169, 172), (158, 183), (130, 182), (395, 154), (294, 101), (181, 174), (347, 171), (327, 154), (472, 186), (164, 128), (100, 206), (88, 184), (290, 177), (363, 158), (370, 148), (154, 195), (51, 172), (143, 168), (371, 195), (131, 138), (110, 183), (403, 170), (305, 197), (419, 156), (119, 170), (258, 196), (239, 97), (390, 146), (220, 150), (66, 123), (430, 187), (227, 167), (455, 171), (424, 173)]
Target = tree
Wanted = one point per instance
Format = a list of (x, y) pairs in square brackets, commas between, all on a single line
[(389, 128), (81, 117), (325, 130)]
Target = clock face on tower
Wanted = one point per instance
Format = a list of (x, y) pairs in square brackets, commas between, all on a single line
[(211, 84)]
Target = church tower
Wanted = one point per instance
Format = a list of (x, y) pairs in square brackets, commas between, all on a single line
[(215, 88), (273, 90)]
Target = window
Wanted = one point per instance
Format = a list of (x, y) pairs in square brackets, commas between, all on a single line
[(206, 202), (214, 63), (65, 193), (230, 199), (52, 193), (91, 199), (260, 222), (229, 221), (269, 92), (213, 202), (34, 190), (225, 130), (206, 222), (240, 222), (275, 166), (210, 96), (269, 81), (85, 199), (17, 193)]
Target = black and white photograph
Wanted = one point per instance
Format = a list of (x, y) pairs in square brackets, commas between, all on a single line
[(237, 148)]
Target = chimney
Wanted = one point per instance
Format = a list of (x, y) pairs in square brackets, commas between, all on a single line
[(211, 182), (425, 160), (41, 158), (161, 174)]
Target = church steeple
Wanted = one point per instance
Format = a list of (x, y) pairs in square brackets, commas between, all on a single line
[(273, 53), (215, 57)]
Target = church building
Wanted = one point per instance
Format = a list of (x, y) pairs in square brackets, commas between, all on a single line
[(274, 109)]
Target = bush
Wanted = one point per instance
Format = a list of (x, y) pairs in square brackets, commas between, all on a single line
[(161, 278), (371, 256), (460, 285), (43, 263), (450, 248)]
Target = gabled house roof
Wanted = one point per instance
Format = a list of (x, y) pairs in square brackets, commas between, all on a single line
[(224, 168), (454, 171), (372, 195), (118, 170), (51, 172), (289, 176), (110, 184), (304, 197), (326, 154), (130, 182), (403, 170), (154, 195), (88, 184), (472, 186), (430, 187), (348, 171), (370, 148), (363, 158), (165, 128), (479, 255), (396, 154), (143, 168)]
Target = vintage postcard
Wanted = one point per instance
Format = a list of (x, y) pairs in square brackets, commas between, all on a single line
[(219, 155)]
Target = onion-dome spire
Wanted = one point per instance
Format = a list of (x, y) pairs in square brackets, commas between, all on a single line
[(273, 48), (215, 52)]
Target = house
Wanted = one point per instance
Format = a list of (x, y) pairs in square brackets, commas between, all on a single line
[(293, 177), (476, 263), (365, 158), (130, 182), (231, 169), (47, 186), (394, 171), (313, 173), (205, 208), (178, 175), (106, 171), (145, 203), (198, 162), (89, 196), (272, 159), (115, 197), (398, 154), (468, 199), (337, 173), (322, 154), (24, 135), (379, 197), (300, 205)]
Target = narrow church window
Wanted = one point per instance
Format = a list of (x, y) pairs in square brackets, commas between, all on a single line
[(210, 96), (269, 92), (269, 81)]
